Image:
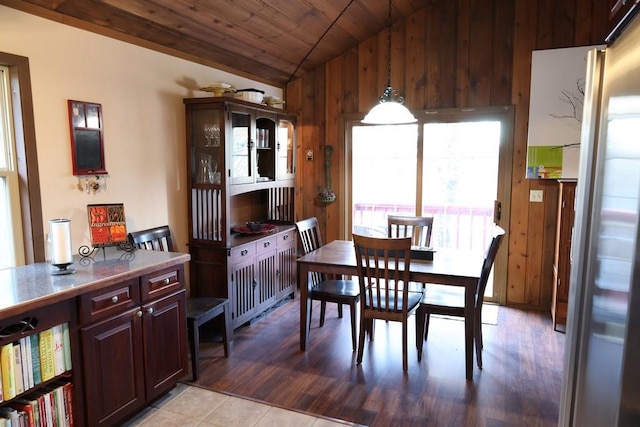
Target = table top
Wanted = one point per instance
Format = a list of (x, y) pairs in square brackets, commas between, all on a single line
[(456, 263)]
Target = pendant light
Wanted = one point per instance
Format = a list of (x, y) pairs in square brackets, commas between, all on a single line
[(390, 110)]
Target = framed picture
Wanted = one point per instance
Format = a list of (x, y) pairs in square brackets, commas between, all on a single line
[(87, 141), (107, 225)]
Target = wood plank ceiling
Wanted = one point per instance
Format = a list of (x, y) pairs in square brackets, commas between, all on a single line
[(273, 41)]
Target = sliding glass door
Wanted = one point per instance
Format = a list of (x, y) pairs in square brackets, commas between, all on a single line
[(451, 165)]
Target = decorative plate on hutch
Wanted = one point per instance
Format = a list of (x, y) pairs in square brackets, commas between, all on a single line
[(243, 229)]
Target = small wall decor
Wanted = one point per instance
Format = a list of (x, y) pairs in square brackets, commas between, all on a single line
[(327, 195), (87, 140), (92, 185)]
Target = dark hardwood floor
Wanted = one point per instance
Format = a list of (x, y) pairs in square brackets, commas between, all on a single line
[(518, 386)]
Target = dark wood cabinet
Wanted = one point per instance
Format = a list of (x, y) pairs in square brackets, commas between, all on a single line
[(134, 344), (245, 172), (126, 319), (562, 252)]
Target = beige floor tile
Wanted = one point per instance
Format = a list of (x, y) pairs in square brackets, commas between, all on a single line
[(277, 417), (235, 412), (188, 406), (196, 402)]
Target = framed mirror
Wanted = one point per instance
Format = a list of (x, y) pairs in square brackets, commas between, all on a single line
[(87, 145)]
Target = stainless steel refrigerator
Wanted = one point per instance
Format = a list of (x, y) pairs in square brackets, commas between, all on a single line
[(601, 377)]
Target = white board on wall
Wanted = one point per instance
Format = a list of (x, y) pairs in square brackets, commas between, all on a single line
[(555, 111)]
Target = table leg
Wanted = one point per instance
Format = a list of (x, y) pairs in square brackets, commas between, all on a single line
[(469, 304), (305, 305)]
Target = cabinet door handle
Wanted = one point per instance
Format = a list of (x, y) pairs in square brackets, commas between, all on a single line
[(285, 237), (166, 281), (115, 299), (150, 310), (244, 252), (255, 284), (267, 244), (139, 313)]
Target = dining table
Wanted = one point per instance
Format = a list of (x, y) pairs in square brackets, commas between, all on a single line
[(448, 267)]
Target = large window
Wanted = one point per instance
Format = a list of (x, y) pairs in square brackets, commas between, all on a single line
[(11, 246)]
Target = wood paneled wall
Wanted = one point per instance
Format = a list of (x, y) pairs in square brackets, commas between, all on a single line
[(452, 54)]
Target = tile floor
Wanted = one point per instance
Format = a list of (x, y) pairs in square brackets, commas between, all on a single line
[(187, 406)]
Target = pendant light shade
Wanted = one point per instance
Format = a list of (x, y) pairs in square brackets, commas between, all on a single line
[(390, 110)]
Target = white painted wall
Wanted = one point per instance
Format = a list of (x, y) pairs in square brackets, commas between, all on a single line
[(141, 93)]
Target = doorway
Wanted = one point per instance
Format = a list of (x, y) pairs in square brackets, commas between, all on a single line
[(454, 165)]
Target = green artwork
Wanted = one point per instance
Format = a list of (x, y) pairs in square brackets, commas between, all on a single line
[(544, 161)]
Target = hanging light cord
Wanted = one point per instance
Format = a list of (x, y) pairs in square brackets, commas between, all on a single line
[(389, 48), (325, 33)]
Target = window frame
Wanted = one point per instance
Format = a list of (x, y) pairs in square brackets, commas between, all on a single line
[(26, 156)]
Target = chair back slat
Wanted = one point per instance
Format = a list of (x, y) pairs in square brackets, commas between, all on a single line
[(383, 271), (419, 228), (487, 265), (310, 239), (153, 239)]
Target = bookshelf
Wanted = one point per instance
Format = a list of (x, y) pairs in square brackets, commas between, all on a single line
[(55, 320)]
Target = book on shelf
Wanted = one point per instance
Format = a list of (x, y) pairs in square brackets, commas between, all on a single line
[(27, 363), (17, 368), (35, 359), (58, 350), (67, 346), (7, 371), (47, 369), (22, 405), (11, 414)]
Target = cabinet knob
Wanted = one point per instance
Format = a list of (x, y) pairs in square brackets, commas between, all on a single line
[(115, 299), (166, 281), (267, 244), (285, 237), (150, 310), (244, 252), (255, 284), (139, 313)]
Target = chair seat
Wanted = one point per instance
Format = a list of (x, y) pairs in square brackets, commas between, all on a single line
[(443, 296), (414, 299), (335, 288)]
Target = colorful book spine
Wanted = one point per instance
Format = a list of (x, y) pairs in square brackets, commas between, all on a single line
[(58, 350), (68, 402), (35, 359), (7, 369), (17, 368), (27, 373), (47, 369), (67, 346)]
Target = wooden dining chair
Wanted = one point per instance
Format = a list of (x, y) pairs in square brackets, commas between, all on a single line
[(200, 310), (448, 300), (419, 228), (326, 288), (385, 293)]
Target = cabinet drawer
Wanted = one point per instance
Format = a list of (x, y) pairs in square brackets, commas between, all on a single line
[(266, 244), (286, 238), (107, 302), (162, 282), (243, 252)]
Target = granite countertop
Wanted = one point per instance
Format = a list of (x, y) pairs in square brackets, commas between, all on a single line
[(33, 286)]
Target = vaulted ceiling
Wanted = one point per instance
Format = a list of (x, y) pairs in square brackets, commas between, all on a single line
[(274, 41)]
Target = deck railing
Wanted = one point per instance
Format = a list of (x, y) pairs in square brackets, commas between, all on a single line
[(459, 227)]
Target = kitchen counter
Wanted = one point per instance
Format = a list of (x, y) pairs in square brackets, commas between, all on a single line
[(32, 286)]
